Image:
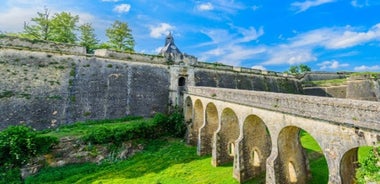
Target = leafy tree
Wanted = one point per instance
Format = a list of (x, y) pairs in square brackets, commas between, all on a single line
[(41, 29), (304, 68), (63, 26), (120, 37), (294, 69), (297, 69), (88, 37)]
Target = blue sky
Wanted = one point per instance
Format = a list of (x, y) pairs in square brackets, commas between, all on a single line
[(327, 35)]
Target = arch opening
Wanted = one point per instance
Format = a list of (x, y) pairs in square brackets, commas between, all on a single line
[(300, 158), (227, 133), (209, 128), (231, 149), (197, 123), (292, 173), (256, 147), (361, 165), (255, 159), (188, 109), (182, 81)]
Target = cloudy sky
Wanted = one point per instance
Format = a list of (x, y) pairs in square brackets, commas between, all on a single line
[(327, 35)]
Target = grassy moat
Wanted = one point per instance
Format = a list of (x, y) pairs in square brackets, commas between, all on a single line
[(164, 160)]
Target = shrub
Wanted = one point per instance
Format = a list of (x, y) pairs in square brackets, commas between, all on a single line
[(19, 143), (160, 125), (369, 170)]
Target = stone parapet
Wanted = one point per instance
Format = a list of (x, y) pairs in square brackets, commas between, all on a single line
[(130, 56), (355, 113), (40, 45)]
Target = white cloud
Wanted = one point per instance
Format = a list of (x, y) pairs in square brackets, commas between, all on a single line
[(229, 48), (287, 55), (255, 7), (111, 1), (232, 54), (367, 68), (122, 8), (259, 67), (160, 30), (250, 34), (205, 7), (303, 6), (359, 4), (333, 64), (18, 17)]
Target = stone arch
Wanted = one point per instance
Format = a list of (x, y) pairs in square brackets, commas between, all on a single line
[(207, 131), (255, 146), (225, 137), (348, 165), (188, 110), (197, 122), (292, 162)]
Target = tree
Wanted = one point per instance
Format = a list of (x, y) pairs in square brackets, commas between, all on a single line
[(88, 38), (63, 26), (304, 68), (294, 69), (120, 37), (41, 29), (297, 69)]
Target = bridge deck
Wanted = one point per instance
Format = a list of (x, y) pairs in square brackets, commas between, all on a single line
[(355, 113)]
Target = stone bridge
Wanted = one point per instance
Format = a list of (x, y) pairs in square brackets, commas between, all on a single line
[(259, 132)]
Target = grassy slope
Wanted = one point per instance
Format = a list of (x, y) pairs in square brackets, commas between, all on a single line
[(162, 162), (165, 161)]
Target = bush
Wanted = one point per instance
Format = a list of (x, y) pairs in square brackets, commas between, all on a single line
[(160, 125), (19, 143), (369, 170)]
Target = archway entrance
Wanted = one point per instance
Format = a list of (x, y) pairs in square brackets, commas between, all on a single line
[(256, 147), (208, 130), (301, 159), (197, 123), (225, 138)]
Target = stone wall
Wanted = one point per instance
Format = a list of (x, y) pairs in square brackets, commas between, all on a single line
[(246, 80), (45, 89), (316, 76), (40, 45)]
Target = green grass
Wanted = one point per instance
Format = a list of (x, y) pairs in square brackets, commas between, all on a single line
[(318, 165), (325, 83), (80, 129), (163, 161), (168, 161)]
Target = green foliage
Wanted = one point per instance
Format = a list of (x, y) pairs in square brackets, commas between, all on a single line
[(297, 69), (19, 143), (160, 125), (369, 170), (7, 94), (10, 176), (63, 26), (87, 37), (304, 68), (325, 83), (120, 37), (40, 29)]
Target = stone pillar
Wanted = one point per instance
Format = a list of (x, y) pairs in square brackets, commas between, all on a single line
[(239, 170)]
